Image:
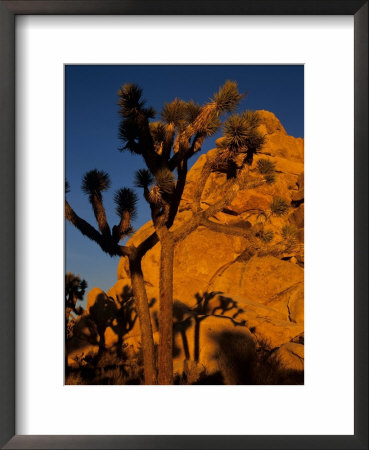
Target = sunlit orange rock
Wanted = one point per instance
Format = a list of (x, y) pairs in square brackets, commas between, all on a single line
[(267, 292)]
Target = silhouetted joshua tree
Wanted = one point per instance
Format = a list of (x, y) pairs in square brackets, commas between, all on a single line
[(75, 289), (126, 316), (203, 309), (93, 184), (166, 146)]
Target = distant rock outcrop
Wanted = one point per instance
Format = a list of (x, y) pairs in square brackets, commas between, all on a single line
[(219, 292)]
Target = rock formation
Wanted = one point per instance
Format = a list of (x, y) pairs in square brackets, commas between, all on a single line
[(221, 296)]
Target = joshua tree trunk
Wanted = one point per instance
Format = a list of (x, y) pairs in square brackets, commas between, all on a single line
[(142, 305), (166, 310)]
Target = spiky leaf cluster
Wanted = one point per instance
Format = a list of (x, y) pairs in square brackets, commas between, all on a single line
[(125, 201), (175, 112), (212, 126), (266, 235), (180, 113), (155, 196), (241, 133), (94, 182), (143, 178), (270, 178), (279, 206), (228, 97), (130, 133), (236, 132), (134, 128), (262, 233), (131, 102), (265, 166), (192, 111), (165, 180), (158, 131), (289, 231)]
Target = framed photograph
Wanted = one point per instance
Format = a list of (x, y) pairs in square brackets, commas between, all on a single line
[(184, 224)]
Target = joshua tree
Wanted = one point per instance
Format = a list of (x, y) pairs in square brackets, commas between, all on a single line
[(93, 184), (75, 289), (166, 146)]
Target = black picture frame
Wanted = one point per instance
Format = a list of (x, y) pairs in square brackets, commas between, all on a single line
[(8, 12)]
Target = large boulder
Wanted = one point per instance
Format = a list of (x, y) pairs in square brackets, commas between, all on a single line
[(290, 356), (257, 301)]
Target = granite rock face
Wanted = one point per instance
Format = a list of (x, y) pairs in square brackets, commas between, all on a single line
[(257, 301)]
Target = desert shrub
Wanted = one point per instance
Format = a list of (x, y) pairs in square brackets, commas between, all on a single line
[(266, 166), (279, 206), (289, 231), (263, 234), (75, 378), (267, 235), (270, 178)]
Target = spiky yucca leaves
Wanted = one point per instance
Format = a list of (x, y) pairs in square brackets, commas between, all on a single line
[(211, 127), (130, 133), (252, 118), (165, 180), (266, 235), (175, 112), (94, 183), (143, 178), (266, 166), (189, 120), (236, 132), (125, 206), (228, 97), (192, 111), (289, 232), (240, 132), (154, 197), (163, 137), (270, 178), (206, 121), (134, 128), (157, 130), (131, 102), (125, 201), (164, 187), (262, 233), (279, 206), (130, 99)]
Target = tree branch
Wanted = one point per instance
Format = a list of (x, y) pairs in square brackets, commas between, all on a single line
[(147, 244), (84, 227), (231, 192), (226, 229), (181, 182), (100, 215), (105, 242)]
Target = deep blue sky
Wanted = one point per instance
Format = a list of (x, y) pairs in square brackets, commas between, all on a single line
[(91, 131)]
